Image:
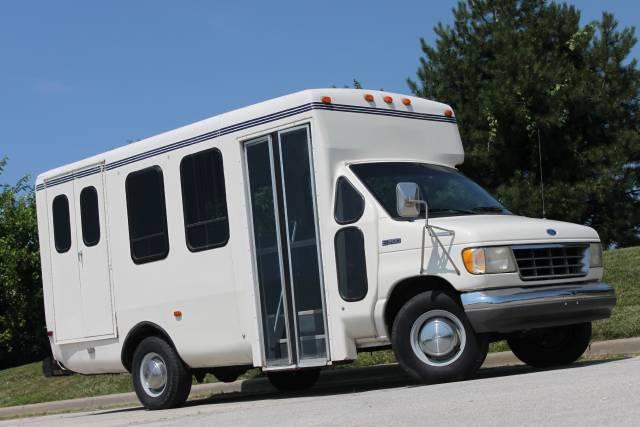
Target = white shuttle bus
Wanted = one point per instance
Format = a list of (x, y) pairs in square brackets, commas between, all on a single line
[(289, 235)]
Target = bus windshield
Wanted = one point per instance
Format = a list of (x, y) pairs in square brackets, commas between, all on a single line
[(447, 191)]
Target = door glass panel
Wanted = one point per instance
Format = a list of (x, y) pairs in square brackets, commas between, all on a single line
[(90, 216), (302, 243), (61, 223), (267, 253)]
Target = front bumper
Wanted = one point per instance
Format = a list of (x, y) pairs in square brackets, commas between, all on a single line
[(515, 309)]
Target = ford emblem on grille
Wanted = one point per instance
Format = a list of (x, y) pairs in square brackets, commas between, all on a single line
[(551, 232)]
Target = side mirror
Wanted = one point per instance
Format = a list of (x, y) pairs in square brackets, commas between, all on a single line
[(408, 199)]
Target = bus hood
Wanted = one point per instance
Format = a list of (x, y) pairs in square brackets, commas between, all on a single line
[(511, 228)]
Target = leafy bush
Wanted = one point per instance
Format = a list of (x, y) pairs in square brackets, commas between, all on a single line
[(22, 327)]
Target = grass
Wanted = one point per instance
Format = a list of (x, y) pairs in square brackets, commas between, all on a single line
[(622, 270), (25, 384)]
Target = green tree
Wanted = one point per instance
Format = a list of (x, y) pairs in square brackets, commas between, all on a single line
[(520, 72), (22, 334)]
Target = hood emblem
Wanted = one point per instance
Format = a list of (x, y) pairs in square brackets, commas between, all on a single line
[(551, 232)]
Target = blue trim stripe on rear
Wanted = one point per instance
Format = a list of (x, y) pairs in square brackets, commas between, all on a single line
[(241, 126)]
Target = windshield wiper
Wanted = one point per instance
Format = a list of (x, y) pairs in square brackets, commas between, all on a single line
[(496, 209)]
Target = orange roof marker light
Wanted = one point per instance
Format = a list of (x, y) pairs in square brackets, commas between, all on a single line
[(177, 313), (388, 99), (368, 97), (326, 100), (406, 101), (448, 113)]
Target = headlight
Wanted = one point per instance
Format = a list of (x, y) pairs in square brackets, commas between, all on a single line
[(494, 259), (595, 255)]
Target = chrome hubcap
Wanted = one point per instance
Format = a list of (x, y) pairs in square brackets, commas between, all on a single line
[(438, 338), (153, 374)]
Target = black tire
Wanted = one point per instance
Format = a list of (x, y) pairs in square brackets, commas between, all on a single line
[(177, 385), (228, 375), (291, 381), (546, 347), (465, 357)]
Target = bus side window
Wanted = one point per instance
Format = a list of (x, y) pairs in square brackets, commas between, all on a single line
[(147, 215), (349, 202), (204, 201), (351, 264)]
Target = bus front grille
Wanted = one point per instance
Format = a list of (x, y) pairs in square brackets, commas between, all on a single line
[(555, 261)]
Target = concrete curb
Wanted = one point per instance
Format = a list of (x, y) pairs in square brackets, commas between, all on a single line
[(355, 376)]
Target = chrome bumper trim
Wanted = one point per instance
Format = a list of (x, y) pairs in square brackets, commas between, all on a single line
[(521, 296), (516, 309)]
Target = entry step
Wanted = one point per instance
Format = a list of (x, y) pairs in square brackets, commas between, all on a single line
[(310, 322), (312, 337)]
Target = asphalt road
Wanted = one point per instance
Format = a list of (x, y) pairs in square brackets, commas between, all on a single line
[(586, 393)]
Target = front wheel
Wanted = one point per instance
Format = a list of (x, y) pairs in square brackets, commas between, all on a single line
[(160, 378), (434, 342), (546, 347), (290, 381)]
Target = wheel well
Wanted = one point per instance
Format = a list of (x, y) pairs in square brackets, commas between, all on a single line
[(408, 288), (136, 335)]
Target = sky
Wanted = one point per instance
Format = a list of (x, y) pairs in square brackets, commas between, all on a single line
[(80, 78)]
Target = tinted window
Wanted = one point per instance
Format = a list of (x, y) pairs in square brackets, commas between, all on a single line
[(349, 203), (203, 200), (351, 264), (61, 223), (89, 216), (447, 191), (147, 215)]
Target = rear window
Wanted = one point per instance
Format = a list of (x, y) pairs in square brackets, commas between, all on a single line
[(90, 216), (61, 223)]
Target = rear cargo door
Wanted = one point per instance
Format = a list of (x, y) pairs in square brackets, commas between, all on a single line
[(67, 296), (83, 307), (93, 253)]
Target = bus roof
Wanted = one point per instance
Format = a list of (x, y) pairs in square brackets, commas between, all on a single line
[(275, 108)]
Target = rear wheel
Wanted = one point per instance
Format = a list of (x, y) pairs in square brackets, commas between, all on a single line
[(555, 346), (434, 342), (160, 378), (288, 381)]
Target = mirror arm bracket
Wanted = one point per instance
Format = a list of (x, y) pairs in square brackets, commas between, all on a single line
[(432, 233), (430, 229)]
